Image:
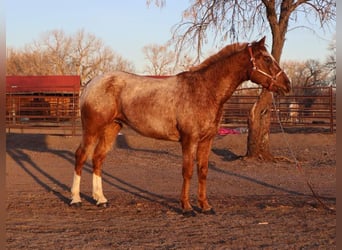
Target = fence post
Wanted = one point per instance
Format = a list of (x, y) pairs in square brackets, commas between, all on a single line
[(331, 110), (73, 113)]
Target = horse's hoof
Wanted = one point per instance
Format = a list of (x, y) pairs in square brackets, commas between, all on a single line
[(210, 211), (75, 204), (189, 213), (103, 205)]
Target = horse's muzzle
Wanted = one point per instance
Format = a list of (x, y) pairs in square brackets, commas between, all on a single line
[(282, 90)]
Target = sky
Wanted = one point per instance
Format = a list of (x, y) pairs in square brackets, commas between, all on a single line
[(128, 26)]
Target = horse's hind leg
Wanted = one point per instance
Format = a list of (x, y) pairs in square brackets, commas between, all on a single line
[(105, 143), (81, 155)]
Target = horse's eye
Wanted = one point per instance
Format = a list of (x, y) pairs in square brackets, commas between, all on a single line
[(268, 59)]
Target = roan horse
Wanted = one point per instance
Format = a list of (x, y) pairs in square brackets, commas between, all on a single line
[(186, 108)]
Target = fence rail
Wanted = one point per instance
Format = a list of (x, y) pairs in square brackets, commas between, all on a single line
[(311, 108), (43, 112)]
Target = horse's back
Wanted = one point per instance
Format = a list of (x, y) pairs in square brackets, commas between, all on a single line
[(148, 105)]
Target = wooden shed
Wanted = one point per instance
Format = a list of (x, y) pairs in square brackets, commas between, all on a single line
[(33, 99)]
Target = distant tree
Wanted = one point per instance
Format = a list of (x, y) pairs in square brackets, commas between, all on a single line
[(162, 61), (330, 63), (306, 73), (315, 73), (159, 59), (56, 47), (229, 19), (184, 63), (27, 62), (57, 53), (295, 71)]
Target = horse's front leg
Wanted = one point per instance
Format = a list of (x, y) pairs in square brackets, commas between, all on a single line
[(98, 195), (188, 151), (203, 152)]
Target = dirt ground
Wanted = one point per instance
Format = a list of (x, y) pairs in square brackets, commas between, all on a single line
[(258, 205)]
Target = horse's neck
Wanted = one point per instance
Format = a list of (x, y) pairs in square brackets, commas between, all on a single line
[(224, 80)]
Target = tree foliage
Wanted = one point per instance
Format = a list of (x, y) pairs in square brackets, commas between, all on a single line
[(306, 73), (230, 19), (57, 53), (330, 64), (313, 72), (161, 60)]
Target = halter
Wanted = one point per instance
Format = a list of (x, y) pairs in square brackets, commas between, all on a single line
[(255, 68)]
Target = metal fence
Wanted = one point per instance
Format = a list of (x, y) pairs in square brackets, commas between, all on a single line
[(44, 112), (303, 109)]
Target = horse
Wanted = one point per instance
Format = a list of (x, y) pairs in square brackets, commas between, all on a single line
[(185, 108), (294, 114)]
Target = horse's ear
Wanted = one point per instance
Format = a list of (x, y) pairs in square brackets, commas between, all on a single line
[(262, 41)]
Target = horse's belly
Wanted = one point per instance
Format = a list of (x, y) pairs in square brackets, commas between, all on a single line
[(155, 128), (159, 135)]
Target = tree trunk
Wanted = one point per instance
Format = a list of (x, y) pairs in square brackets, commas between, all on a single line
[(259, 122)]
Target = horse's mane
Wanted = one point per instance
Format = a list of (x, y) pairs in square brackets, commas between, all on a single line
[(225, 52)]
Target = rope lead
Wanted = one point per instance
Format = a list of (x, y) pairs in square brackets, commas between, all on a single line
[(297, 164)]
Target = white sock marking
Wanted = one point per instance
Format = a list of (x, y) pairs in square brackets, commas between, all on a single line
[(97, 190), (75, 189)]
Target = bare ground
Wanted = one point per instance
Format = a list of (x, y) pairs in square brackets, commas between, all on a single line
[(258, 205)]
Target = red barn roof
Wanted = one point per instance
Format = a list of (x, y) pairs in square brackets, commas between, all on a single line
[(43, 84)]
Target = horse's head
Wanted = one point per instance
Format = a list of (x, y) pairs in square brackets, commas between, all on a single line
[(265, 70)]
